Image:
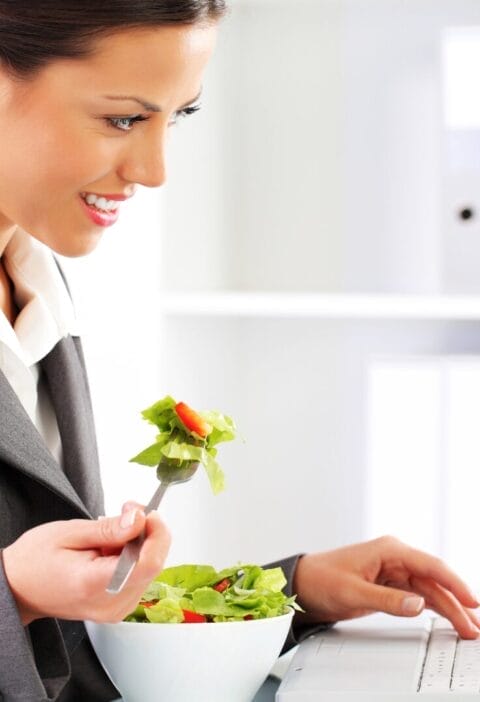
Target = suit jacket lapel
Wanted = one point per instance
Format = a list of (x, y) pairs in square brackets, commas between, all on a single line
[(65, 372), (22, 447)]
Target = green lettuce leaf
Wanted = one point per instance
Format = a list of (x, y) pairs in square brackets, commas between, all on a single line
[(162, 590), (151, 456), (175, 445), (223, 428), (188, 577), (214, 472), (161, 413), (182, 451), (166, 611), (272, 579), (209, 601), (248, 591)]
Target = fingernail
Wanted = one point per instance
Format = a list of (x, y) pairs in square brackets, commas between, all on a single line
[(474, 629), (128, 506), (128, 518), (474, 597), (413, 605)]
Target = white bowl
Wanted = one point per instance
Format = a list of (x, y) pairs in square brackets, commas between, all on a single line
[(214, 662)]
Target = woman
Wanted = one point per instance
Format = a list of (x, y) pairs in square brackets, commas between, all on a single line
[(88, 92)]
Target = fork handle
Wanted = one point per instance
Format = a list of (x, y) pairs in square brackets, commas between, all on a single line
[(157, 497), (131, 550)]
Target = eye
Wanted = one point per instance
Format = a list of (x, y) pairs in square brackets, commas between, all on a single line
[(124, 124), (185, 112)]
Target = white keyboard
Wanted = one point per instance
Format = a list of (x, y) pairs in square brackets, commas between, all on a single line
[(451, 663), (388, 658)]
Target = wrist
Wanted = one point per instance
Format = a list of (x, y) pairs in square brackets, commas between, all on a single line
[(26, 614), (311, 591), (299, 586), (301, 578)]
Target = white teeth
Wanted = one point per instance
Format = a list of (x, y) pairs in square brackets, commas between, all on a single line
[(101, 203)]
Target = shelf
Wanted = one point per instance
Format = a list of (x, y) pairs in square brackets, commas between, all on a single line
[(322, 306)]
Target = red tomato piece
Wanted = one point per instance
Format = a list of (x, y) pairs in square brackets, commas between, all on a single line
[(248, 617), (192, 420), (222, 585), (190, 617)]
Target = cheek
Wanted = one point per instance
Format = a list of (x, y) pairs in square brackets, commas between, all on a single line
[(61, 161), (66, 165), (41, 177)]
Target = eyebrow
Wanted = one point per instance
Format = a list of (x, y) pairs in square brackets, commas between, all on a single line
[(149, 106)]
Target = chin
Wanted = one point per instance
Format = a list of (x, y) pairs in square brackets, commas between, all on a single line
[(77, 246)]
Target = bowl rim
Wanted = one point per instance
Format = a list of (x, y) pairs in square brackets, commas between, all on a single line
[(279, 617)]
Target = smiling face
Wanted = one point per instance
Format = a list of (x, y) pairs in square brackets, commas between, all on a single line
[(78, 137)]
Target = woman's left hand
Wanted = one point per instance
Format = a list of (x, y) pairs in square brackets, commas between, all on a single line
[(382, 575)]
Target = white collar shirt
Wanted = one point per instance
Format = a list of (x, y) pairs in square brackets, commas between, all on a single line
[(45, 316)]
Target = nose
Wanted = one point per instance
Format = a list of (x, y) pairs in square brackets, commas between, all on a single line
[(144, 163)]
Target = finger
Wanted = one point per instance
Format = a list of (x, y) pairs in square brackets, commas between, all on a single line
[(150, 563), (126, 507), (110, 532), (444, 603), (424, 565), (474, 616), (110, 550), (151, 560), (155, 547), (386, 599), (130, 504)]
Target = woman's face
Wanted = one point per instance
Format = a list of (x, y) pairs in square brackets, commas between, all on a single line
[(94, 128)]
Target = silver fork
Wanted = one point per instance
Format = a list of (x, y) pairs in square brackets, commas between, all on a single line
[(167, 475)]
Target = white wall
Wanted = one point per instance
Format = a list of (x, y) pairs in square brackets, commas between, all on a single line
[(116, 295), (423, 455)]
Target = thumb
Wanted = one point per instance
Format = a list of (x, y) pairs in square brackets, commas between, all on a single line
[(104, 532), (391, 601)]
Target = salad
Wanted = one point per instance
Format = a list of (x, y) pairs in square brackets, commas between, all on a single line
[(198, 594), (187, 436)]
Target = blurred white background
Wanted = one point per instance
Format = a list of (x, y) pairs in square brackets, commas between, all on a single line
[(312, 269)]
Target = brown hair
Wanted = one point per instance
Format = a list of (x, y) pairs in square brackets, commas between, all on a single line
[(33, 33)]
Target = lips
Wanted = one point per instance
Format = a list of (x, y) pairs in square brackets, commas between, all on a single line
[(103, 208), (100, 217)]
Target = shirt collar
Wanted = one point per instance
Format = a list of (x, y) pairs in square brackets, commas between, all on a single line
[(46, 310)]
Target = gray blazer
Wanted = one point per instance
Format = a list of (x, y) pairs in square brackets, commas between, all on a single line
[(51, 659)]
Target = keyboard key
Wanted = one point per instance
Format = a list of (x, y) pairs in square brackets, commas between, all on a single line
[(451, 664), (466, 669), (437, 671)]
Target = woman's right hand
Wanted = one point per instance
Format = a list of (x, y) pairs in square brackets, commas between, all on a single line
[(61, 569)]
